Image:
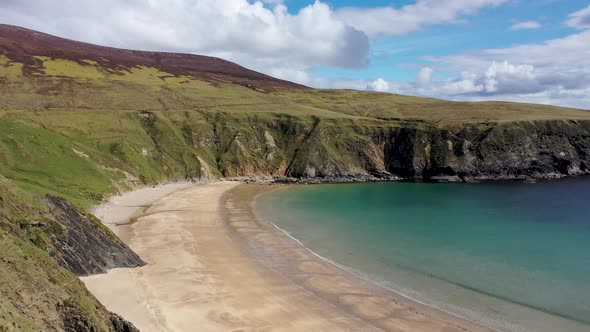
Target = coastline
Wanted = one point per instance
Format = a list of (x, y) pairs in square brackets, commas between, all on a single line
[(387, 177), (197, 275), (361, 297), (118, 289), (387, 290), (202, 242), (498, 312)]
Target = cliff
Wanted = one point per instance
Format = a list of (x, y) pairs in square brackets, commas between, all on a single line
[(218, 145), (519, 150), (83, 245), (36, 293)]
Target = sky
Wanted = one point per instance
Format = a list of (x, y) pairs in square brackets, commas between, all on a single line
[(535, 51)]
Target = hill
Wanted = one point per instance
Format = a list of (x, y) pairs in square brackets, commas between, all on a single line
[(41, 72), (30, 48), (80, 122)]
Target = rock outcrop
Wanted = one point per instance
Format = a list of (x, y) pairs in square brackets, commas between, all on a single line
[(83, 245), (77, 320), (521, 150), (121, 325)]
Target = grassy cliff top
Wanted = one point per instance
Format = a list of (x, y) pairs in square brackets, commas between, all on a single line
[(41, 72)]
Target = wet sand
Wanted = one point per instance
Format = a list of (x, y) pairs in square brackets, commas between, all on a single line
[(214, 266)]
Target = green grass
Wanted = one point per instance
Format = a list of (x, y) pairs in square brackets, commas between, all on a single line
[(32, 283), (64, 84), (67, 68), (11, 71), (43, 161), (387, 106), (75, 129)]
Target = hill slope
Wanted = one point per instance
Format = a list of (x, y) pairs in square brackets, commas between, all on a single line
[(82, 122), (27, 47), (40, 72)]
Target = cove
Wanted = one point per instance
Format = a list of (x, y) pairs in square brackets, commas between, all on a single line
[(513, 256)]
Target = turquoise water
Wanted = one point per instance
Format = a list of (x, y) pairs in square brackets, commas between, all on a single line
[(512, 256)]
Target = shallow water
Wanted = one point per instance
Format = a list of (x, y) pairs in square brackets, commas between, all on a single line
[(512, 256)]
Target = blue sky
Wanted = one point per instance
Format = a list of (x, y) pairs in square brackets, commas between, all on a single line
[(517, 50), (400, 57)]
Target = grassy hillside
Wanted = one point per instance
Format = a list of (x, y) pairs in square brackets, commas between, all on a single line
[(84, 122), (52, 83)]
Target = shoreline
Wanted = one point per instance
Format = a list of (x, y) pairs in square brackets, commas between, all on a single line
[(375, 295), (368, 178), (212, 263), (385, 288), (196, 276)]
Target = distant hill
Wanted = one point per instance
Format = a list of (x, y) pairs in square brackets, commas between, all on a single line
[(39, 71), (26, 46)]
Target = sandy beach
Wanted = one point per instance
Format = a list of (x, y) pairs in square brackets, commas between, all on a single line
[(214, 266)]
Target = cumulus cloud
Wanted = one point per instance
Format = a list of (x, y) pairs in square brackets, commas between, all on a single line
[(565, 55), (398, 21), (424, 76), (556, 72), (509, 78), (267, 39), (580, 19), (527, 25), (378, 85)]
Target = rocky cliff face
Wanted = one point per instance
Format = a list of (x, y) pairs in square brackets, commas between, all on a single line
[(521, 150), (340, 150), (36, 293), (77, 320), (83, 245)]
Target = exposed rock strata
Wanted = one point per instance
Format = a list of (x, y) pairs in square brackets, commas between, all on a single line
[(84, 246), (326, 150), (77, 320)]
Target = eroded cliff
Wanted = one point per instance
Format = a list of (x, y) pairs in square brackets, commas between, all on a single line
[(345, 149)]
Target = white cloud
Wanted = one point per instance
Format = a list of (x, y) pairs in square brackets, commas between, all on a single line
[(527, 25), (273, 2), (466, 85), (556, 72), (424, 76), (398, 21), (506, 77), (378, 85), (565, 55), (580, 19), (469, 87)]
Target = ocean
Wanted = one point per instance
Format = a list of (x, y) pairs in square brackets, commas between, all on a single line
[(513, 256)]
